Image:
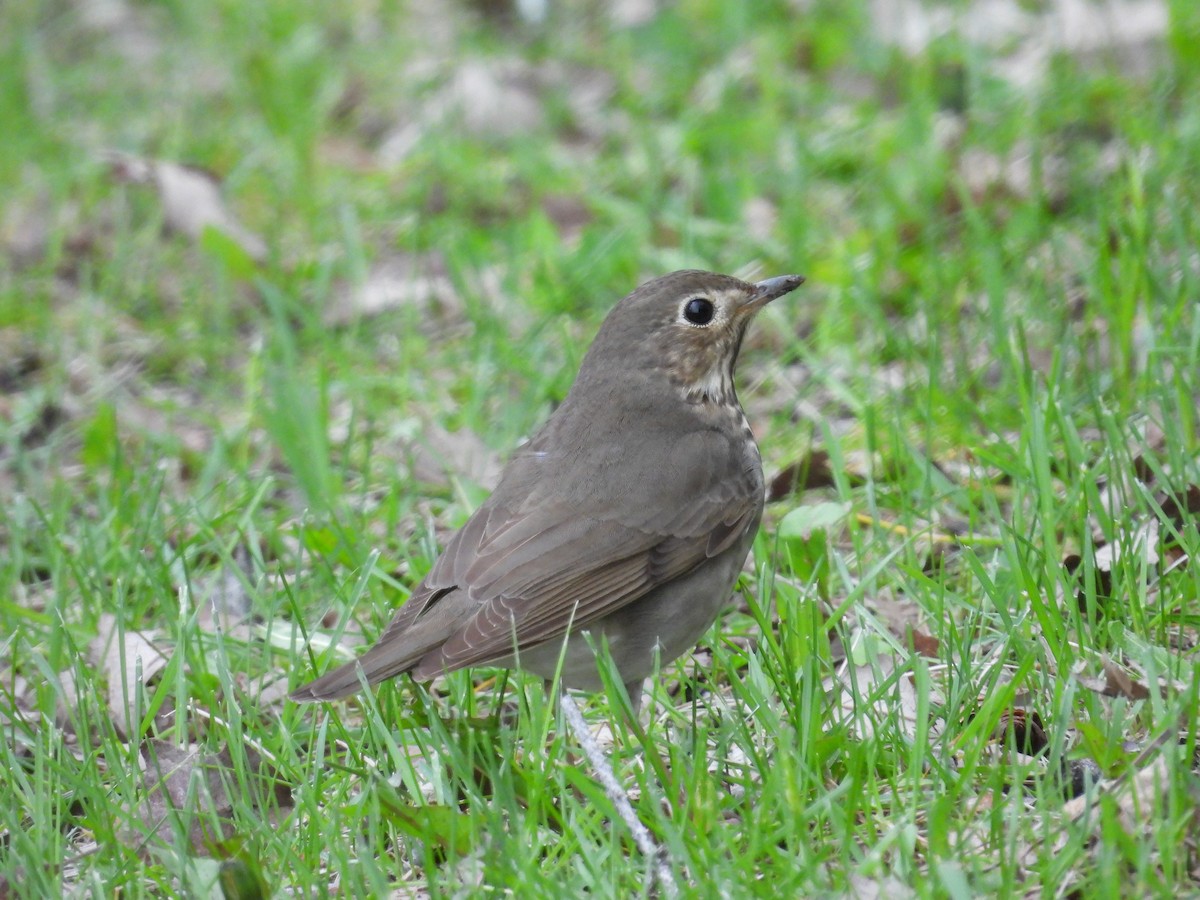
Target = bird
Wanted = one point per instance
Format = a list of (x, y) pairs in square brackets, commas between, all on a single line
[(623, 522)]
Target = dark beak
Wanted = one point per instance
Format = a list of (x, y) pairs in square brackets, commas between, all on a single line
[(773, 288)]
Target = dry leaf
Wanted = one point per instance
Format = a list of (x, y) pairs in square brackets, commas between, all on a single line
[(631, 13), (397, 281), (199, 786), (130, 661), (986, 174), (191, 199), (503, 99), (922, 643), (1116, 683), (126, 26), (27, 708), (804, 474), (898, 705), (1183, 512), (483, 98), (1136, 548), (1142, 540), (898, 612)]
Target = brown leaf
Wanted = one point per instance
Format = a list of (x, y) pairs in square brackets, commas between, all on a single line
[(922, 643), (864, 678), (1138, 543), (900, 613), (1072, 563), (1119, 684), (1116, 683), (1184, 513), (1142, 470), (803, 474)]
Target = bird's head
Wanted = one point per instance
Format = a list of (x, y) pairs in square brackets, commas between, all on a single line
[(687, 325)]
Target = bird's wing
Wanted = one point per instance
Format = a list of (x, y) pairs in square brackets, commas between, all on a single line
[(544, 609), (559, 561)]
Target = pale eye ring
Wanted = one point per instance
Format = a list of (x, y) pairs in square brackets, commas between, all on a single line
[(699, 311)]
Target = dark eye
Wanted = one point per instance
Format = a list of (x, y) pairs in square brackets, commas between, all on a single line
[(698, 311)]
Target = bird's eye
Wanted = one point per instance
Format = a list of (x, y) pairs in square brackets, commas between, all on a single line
[(698, 311)]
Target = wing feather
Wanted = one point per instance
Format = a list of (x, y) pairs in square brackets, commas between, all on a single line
[(563, 541)]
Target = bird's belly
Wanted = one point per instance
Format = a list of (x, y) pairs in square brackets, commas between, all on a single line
[(653, 630)]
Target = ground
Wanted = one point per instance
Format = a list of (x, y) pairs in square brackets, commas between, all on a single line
[(281, 287)]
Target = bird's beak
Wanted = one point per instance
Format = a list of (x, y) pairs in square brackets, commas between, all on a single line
[(773, 288)]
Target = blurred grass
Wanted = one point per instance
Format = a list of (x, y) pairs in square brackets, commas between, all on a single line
[(994, 355)]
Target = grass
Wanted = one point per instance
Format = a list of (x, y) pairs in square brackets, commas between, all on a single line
[(997, 351)]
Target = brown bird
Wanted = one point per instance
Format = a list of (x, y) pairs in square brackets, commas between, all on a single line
[(628, 515)]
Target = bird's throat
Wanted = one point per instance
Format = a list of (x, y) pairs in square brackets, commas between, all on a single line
[(714, 386)]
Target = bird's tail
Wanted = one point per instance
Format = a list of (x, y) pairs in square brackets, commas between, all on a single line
[(378, 664)]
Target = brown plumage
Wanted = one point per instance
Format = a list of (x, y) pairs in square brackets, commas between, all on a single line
[(629, 514)]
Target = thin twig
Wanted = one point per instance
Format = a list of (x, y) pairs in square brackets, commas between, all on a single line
[(603, 772)]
